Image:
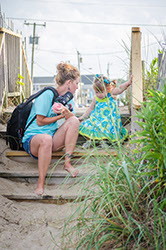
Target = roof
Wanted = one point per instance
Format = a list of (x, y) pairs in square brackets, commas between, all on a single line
[(44, 79), (86, 79)]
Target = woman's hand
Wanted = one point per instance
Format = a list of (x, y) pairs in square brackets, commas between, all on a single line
[(57, 108), (80, 118), (66, 113)]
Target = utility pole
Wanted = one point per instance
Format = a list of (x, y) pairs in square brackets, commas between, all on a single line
[(108, 69), (79, 58), (34, 41)]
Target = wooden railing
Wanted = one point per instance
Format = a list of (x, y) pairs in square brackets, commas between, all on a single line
[(12, 64)]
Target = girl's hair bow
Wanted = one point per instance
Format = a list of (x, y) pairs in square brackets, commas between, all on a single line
[(105, 80)]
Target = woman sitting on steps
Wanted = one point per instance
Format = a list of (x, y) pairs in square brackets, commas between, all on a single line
[(43, 136)]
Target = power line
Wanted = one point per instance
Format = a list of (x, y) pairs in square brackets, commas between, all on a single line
[(84, 54), (92, 54), (91, 23), (99, 3), (43, 68), (56, 52)]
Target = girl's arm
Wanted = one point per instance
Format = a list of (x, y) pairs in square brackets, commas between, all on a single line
[(89, 110), (119, 90)]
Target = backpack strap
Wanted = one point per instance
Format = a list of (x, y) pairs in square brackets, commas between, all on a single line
[(38, 94), (32, 97)]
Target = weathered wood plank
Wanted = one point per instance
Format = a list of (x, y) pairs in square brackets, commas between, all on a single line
[(13, 94), (53, 199), (56, 178), (137, 86), (62, 153), (2, 37), (3, 30), (23, 174)]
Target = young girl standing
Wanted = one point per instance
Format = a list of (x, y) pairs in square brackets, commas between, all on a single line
[(105, 121)]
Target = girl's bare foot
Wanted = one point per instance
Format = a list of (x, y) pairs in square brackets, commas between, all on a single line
[(39, 191), (69, 168)]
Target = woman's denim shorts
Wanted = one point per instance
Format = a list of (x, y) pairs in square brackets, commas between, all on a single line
[(26, 146)]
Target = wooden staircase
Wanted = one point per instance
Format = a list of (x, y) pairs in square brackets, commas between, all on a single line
[(20, 170)]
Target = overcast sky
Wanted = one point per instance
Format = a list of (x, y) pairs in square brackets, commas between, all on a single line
[(101, 45)]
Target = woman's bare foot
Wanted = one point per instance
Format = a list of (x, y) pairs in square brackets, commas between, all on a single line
[(39, 191), (69, 168)]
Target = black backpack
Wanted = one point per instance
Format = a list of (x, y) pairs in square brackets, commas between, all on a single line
[(16, 126)]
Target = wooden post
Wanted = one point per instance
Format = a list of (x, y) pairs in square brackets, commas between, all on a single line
[(137, 88), (20, 55), (1, 70), (5, 86)]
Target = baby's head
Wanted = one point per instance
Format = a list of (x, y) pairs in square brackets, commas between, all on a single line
[(102, 85)]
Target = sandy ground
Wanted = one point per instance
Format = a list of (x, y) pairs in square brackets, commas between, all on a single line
[(29, 225)]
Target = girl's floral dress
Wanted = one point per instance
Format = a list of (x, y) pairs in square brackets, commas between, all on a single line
[(104, 122)]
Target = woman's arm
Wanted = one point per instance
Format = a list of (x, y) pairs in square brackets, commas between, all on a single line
[(89, 110), (44, 120), (119, 90)]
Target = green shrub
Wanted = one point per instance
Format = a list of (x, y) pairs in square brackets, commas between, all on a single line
[(125, 196), (118, 209), (152, 138)]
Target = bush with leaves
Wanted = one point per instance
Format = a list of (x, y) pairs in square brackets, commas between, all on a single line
[(152, 138), (118, 211), (124, 204)]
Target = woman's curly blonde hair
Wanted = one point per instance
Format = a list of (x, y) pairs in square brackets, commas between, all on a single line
[(66, 72)]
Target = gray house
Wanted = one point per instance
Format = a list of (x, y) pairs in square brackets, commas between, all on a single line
[(42, 81)]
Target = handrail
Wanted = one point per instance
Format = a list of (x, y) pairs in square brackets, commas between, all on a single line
[(3, 30), (26, 65), (1, 42), (14, 63)]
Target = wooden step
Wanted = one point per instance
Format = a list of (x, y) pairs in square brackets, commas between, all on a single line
[(75, 154), (56, 178), (57, 194), (22, 156), (49, 199)]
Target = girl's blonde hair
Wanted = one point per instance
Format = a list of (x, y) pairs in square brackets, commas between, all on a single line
[(66, 72), (101, 83)]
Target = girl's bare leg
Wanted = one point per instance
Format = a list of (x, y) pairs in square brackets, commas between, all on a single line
[(67, 136), (41, 147)]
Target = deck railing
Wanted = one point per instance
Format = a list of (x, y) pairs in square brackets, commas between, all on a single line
[(13, 64)]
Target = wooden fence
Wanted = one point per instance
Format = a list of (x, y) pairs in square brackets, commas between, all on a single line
[(13, 64)]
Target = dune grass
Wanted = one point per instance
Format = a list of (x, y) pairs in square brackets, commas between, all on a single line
[(125, 196), (119, 208)]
